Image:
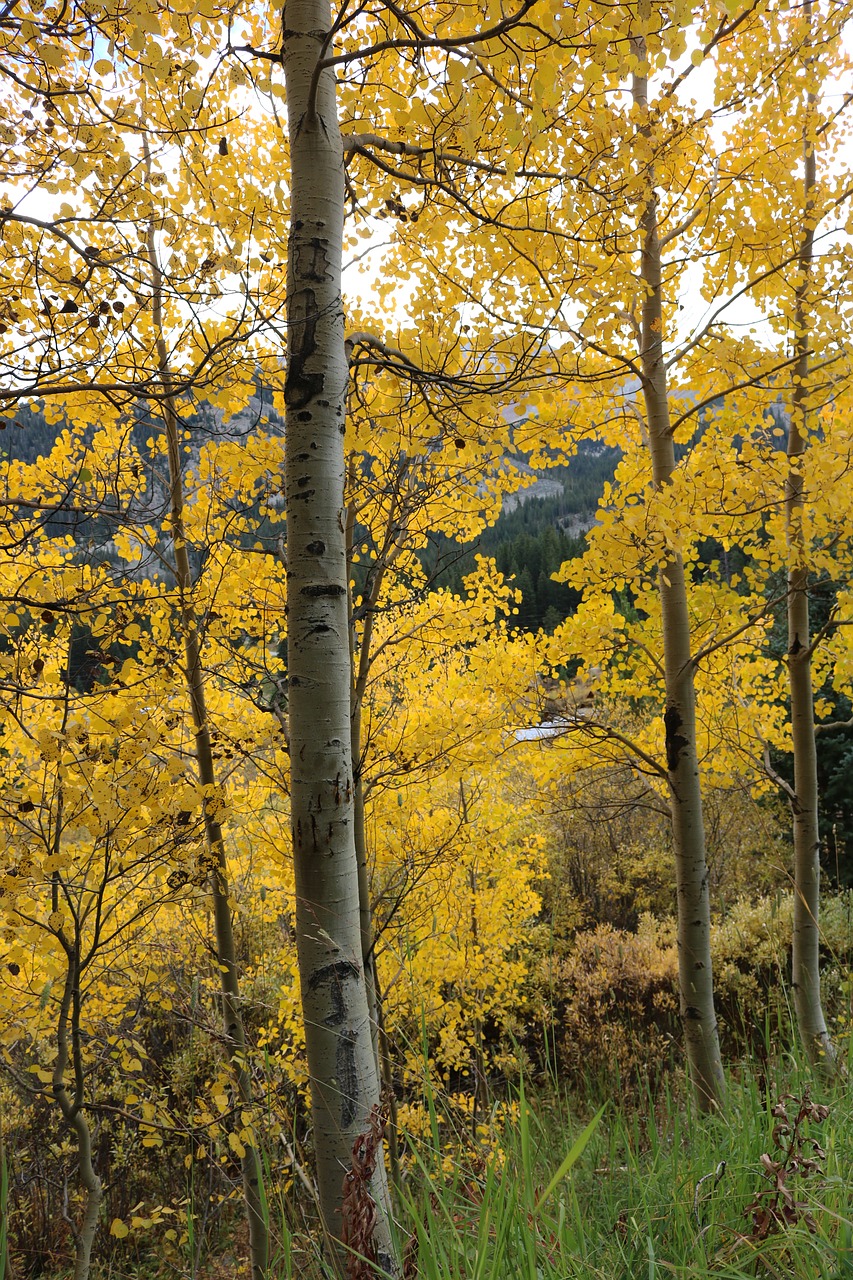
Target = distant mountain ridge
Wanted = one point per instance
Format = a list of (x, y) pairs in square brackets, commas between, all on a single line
[(540, 526)]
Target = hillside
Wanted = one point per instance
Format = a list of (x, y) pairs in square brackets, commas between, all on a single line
[(538, 529)]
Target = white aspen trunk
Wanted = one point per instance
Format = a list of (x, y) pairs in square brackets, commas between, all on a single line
[(359, 672), (341, 1059), (805, 955), (695, 976), (359, 669)]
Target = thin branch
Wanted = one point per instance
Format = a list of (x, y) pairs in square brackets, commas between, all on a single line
[(687, 222), (829, 726), (423, 41), (781, 782), (739, 386), (713, 645)]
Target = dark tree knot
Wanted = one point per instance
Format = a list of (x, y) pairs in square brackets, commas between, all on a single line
[(675, 741)]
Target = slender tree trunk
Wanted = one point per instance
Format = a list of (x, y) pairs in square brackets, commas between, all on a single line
[(69, 1056), (71, 1105), (94, 1199), (379, 1034), (365, 906), (381, 1042), (481, 1078), (217, 866), (360, 661), (696, 986), (339, 1041), (360, 657), (804, 802)]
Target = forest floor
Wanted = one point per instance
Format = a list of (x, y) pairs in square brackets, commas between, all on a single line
[(636, 1192), (764, 1190), (641, 1188)]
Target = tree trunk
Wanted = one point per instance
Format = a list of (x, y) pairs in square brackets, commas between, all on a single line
[(696, 987), (805, 958), (217, 867), (339, 1042), (365, 905), (72, 1108), (94, 1198)]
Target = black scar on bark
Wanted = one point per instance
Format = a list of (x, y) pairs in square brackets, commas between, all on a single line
[(301, 386), (675, 742), (316, 548), (331, 589), (339, 973), (311, 260), (347, 1077)]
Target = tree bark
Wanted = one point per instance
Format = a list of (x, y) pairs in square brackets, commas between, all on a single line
[(696, 986), (217, 866), (72, 1107), (805, 956), (360, 661), (339, 1042)]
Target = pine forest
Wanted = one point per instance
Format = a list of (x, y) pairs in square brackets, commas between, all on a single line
[(426, 639)]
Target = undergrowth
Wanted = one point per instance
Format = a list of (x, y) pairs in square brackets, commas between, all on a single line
[(543, 1190), (763, 1190)]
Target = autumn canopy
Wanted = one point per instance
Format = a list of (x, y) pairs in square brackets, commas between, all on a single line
[(308, 818)]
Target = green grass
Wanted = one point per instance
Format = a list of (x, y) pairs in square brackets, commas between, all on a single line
[(564, 1189), (646, 1197)]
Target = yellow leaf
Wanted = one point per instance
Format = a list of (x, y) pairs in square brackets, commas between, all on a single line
[(119, 1229), (236, 1145)]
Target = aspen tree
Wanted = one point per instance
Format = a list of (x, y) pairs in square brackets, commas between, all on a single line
[(88, 845), (332, 942), (108, 343), (805, 281), (693, 196), (212, 798), (805, 954), (342, 1066), (696, 984)]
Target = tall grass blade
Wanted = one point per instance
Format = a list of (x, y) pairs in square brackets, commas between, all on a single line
[(577, 1150)]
